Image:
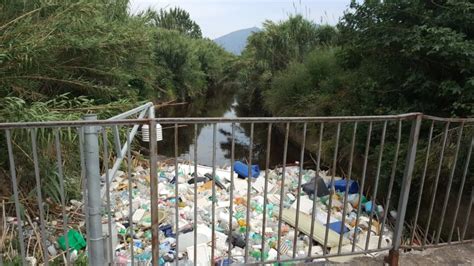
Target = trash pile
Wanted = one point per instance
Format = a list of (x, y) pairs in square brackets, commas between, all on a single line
[(55, 241), (137, 234)]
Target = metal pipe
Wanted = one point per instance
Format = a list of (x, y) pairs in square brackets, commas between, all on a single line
[(15, 195), (110, 255), (144, 107), (265, 189), (118, 162), (176, 183), (449, 119), (39, 196), (231, 190), (374, 118), (361, 192), (155, 236), (118, 145), (194, 120), (331, 189), (195, 190), (450, 182), (468, 214), (213, 206), (130, 198), (374, 198), (435, 186), (63, 197), (392, 179), (461, 188), (406, 182), (191, 120), (300, 172), (91, 150), (80, 132), (422, 182), (249, 193), (346, 191), (282, 190), (315, 195), (74, 123)]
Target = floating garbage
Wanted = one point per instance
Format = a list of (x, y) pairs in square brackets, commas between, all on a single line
[(341, 185), (336, 227), (243, 169), (323, 190)]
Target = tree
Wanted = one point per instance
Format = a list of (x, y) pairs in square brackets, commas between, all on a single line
[(274, 48), (176, 19), (419, 54), (188, 67)]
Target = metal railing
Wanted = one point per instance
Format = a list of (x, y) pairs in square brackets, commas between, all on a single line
[(360, 143)]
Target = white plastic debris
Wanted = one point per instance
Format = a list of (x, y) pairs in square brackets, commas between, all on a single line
[(138, 215), (203, 255), (52, 250)]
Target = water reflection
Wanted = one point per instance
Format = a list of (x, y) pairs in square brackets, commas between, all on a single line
[(222, 106)]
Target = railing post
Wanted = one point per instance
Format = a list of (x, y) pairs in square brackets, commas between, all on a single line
[(155, 242), (393, 256), (91, 154)]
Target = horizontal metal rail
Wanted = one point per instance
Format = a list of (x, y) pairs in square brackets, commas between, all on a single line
[(447, 119), (316, 119), (205, 120), (78, 123), (129, 113)]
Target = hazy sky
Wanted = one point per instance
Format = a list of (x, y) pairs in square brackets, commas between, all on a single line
[(219, 17)]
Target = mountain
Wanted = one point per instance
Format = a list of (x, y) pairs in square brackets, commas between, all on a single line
[(235, 42)]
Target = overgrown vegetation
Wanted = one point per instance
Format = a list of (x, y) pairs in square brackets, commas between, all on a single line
[(61, 59), (386, 57), (383, 57)]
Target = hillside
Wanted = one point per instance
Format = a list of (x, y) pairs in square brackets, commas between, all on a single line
[(235, 42)]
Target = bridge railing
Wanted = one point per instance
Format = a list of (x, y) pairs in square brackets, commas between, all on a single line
[(407, 164)]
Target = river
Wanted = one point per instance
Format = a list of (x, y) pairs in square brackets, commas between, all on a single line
[(226, 106)]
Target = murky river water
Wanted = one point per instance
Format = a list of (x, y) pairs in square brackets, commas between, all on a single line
[(222, 106)]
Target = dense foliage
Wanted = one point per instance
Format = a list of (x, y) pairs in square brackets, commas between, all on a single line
[(88, 48), (387, 57), (61, 59), (188, 67), (270, 51), (96, 49), (419, 55)]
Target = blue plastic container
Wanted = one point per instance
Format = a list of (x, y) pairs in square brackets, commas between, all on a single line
[(340, 185), (243, 169)]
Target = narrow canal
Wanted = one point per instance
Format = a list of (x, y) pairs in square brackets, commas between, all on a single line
[(227, 106)]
